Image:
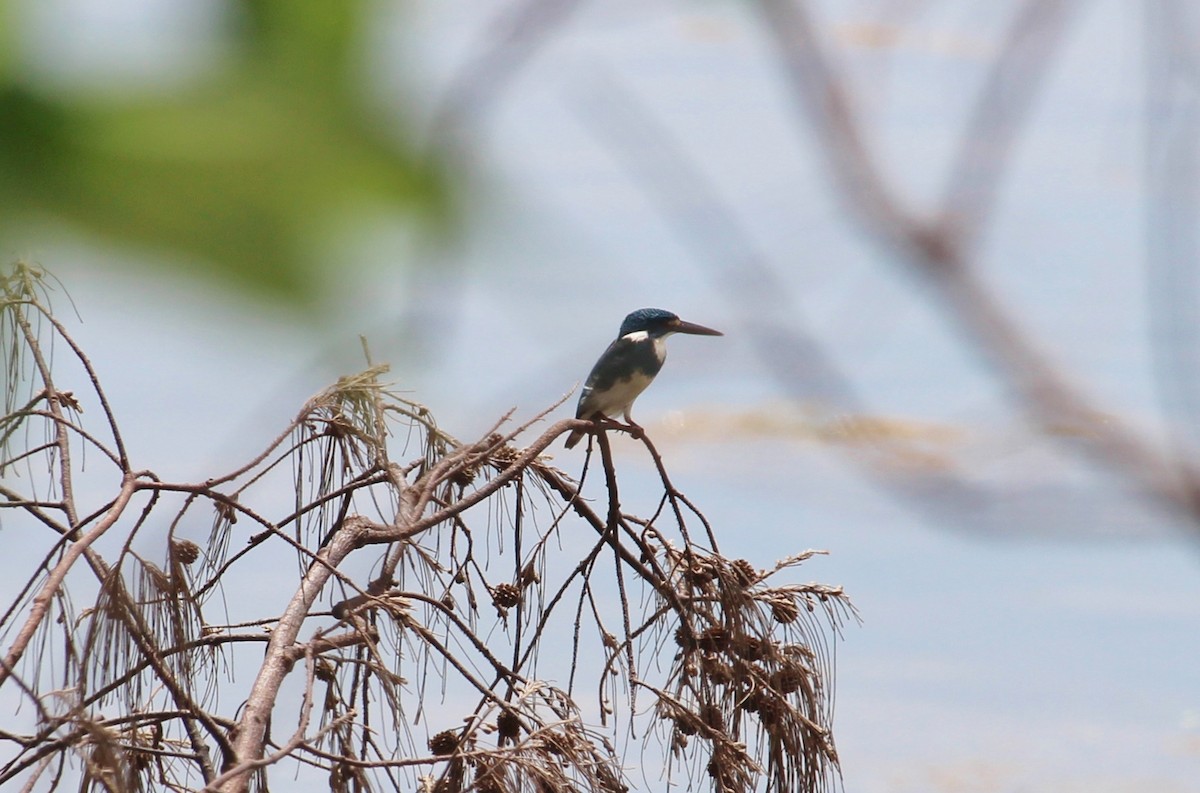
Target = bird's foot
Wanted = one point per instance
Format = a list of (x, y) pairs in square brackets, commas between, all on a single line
[(632, 428)]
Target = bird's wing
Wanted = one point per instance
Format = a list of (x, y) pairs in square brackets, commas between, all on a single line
[(603, 375), (622, 357)]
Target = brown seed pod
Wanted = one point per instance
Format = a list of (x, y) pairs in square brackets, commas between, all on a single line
[(684, 637), (489, 778), (744, 572), (465, 476), (554, 743), (785, 611), (717, 671), (787, 680), (324, 671), (700, 572), (444, 743), (508, 726), (185, 551), (712, 640), (504, 456), (748, 647), (505, 596), (686, 723), (771, 709), (711, 715)]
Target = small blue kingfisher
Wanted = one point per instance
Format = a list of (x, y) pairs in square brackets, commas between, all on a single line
[(629, 365)]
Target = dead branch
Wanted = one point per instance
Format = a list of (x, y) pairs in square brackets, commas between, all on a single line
[(441, 576)]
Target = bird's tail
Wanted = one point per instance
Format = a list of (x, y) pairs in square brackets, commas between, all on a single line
[(573, 438)]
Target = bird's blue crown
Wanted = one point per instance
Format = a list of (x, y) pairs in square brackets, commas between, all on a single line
[(645, 319)]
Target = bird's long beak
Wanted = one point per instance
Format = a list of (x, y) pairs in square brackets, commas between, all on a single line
[(679, 326)]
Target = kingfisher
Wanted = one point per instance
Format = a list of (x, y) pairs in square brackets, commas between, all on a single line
[(629, 365)]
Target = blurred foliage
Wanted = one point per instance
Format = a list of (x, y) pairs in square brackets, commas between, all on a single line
[(234, 174)]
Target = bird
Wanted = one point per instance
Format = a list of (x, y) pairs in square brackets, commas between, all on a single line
[(629, 365)]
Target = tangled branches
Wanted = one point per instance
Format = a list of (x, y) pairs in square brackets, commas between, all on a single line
[(378, 624)]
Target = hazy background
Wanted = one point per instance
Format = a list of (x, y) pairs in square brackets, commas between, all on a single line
[(232, 193)]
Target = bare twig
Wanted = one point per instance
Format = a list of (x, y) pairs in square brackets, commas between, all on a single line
[(54, 581)]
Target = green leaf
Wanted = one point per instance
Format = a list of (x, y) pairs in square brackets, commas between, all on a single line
[(239, 175)]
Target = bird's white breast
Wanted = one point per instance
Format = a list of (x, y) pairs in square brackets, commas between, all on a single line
[(617, 399)]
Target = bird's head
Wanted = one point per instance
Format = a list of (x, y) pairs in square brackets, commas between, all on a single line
[(656, 323)]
